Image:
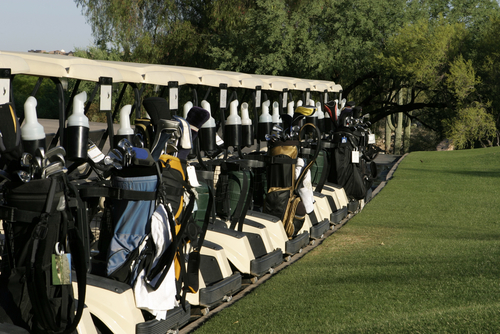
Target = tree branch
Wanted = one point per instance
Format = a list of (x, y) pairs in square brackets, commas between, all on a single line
[(378, 114)]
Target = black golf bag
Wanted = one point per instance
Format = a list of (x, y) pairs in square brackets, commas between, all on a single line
[(282, 200), (42, 242), (352, 166), (43, 246)]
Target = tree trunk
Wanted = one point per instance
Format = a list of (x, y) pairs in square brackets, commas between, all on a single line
[(388, 135), (398, 134), (407, 134)]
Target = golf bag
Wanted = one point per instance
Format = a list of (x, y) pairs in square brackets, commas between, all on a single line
[(150, 219), (234, 193), (350, 168), (282, 200), (176, 192), (43, 245), (130, 214), (146, 129), (287, 197)]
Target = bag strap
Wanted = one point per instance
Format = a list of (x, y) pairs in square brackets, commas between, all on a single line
[(209, 216), (324, 174), (304, 170), (38, 296), (168, 255), (117, 193), (76, 245), (247, 204), (79, 255), (12, 214), (238, 211)]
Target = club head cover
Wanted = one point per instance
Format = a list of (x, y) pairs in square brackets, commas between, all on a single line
[(142, 157), (287, 121), (185, 141), (298, 119), (305, 110), (157, 108), (356, 112), (329, 111), (196, 117), (160, 145), (164, 130)]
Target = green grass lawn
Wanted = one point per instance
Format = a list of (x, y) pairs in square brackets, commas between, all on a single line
[(422, 257)]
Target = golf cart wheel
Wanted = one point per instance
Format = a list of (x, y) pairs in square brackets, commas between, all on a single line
[(254, 279), (288, 258), (312, 242), (205, 311)]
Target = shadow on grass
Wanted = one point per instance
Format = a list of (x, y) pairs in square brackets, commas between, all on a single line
[(459, 172)]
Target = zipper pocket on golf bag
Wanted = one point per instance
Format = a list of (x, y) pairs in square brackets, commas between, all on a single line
[(295, 216), (276, 202), (173, 183), (221, 195)]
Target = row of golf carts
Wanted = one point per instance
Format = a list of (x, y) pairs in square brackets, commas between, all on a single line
[(176, 204)]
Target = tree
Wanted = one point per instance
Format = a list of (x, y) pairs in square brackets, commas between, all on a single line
[(420, 55), (276, 37), (374, 49), (486, 58)]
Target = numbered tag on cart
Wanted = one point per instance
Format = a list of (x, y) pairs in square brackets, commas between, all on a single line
[(193, 180), (355, 157), (371, 138)]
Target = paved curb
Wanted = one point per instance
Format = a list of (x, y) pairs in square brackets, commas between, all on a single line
[(388, 177)]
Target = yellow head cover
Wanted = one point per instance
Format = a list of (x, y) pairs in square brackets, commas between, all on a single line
[(305, 110)]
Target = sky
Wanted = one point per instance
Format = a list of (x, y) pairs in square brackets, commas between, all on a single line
[(43, 25)]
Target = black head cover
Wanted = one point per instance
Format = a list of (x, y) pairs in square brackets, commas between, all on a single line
[(287, 121), (197, 116), (356, 112), (157, 108)]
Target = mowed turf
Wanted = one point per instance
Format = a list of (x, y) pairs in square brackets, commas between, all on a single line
[(422, 257)]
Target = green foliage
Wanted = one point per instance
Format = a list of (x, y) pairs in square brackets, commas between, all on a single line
[(445, 51), (47, 97), (471, 124), (421, 52), (462, 79), (354, 30), (261, 46)]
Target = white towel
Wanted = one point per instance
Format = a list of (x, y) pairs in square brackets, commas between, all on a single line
[(185, 141), (306, 191), (163, 299)]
